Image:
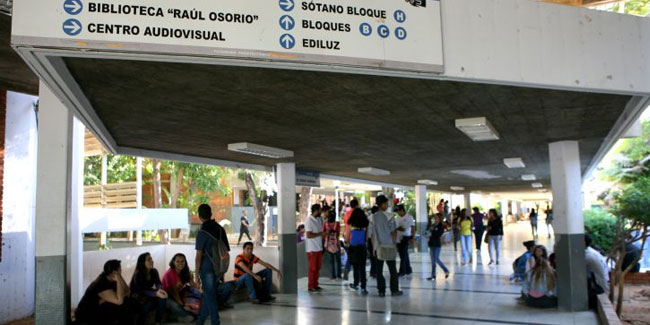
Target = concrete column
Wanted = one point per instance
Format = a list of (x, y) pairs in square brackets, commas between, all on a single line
[(569, 228), (468, 203), (286, 178), (336, 203), (504, 211), (138, 180), (421, 214), (76, 262), (53, 209)]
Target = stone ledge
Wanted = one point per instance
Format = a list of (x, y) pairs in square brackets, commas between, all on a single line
[(606, 312)]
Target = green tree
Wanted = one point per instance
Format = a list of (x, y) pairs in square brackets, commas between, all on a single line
[(120, 169), (631, 198), (633, 7)]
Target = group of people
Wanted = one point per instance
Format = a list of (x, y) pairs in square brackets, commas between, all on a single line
[(378, 236), (465, 225), (109, 300)]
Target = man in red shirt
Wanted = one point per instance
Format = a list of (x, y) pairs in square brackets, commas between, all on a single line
[(244, 276), (354, 204)]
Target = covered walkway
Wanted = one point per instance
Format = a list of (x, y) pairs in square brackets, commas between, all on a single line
[(473, 294)]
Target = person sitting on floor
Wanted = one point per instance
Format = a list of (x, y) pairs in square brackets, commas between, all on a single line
[(519, 265), (539, 289), (146, 289), (185, 297), (106, 301), (258, 284)]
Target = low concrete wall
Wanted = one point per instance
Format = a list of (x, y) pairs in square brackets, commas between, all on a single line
[(606, 312), (162, 254), (94, 261)]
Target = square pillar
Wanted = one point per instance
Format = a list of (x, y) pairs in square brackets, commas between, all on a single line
[(421, 215), (566, 183), (55, 205), (468, 204), (286, 179)]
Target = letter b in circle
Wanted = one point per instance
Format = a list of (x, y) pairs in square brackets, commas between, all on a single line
[(383, 31), (400, 33), (365, 29)]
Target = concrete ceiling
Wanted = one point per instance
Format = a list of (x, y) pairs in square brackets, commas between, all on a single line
[(15, 75), (336, 123)]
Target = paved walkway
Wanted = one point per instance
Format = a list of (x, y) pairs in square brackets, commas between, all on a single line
[(473, 294)]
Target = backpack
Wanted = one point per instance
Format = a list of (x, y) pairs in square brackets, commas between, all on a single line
[(218, 255), (331, 241)]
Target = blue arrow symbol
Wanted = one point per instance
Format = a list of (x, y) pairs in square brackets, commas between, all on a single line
[(287, 23), (286, 5), (72, 7), (287, 41), (72, 27)]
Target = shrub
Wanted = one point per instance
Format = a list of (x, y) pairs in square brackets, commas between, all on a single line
[(601, 225)]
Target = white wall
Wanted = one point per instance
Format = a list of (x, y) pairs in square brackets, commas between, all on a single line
[(162, 254), (17, 267), (547, 45)]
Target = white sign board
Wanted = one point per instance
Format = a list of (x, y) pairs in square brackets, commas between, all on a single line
[(388, 34)]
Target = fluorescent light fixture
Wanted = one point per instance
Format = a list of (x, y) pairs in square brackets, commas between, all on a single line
[(427, 182), (260, 150), (542, 190), (456, 188), (477, 129), (373, 171), (514, 163), (528, 177), (537, 185)]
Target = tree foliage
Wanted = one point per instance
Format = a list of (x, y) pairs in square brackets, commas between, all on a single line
[(601, 225), (633, 7), (120, 169)]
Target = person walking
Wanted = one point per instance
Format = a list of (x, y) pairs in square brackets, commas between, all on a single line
[(314, 247), (479, 229), (455, 226), (495, 234), (210, 232), (533, 222), (332, 233), (384, 234), (243, 227), (549, 220), (466, 238), (435, 230), (405, 231), (357, 250)]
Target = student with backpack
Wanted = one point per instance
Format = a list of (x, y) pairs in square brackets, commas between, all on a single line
[(332, 230), (212, 260)]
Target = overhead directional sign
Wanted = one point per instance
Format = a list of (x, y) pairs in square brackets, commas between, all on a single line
[(72, 7), (379, 34), (72, 27)]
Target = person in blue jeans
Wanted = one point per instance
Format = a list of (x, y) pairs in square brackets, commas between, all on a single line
[(260, 284), (206, 277), (436, 230)]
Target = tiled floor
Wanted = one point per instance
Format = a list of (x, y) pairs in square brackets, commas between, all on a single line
[(473, 294)]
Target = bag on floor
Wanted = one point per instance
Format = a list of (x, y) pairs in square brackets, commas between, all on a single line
[(192, 298)]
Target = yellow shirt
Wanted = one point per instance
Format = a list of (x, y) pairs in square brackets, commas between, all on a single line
[(466, 227)]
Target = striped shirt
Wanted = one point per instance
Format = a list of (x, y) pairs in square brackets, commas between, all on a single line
[(249, 264)]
